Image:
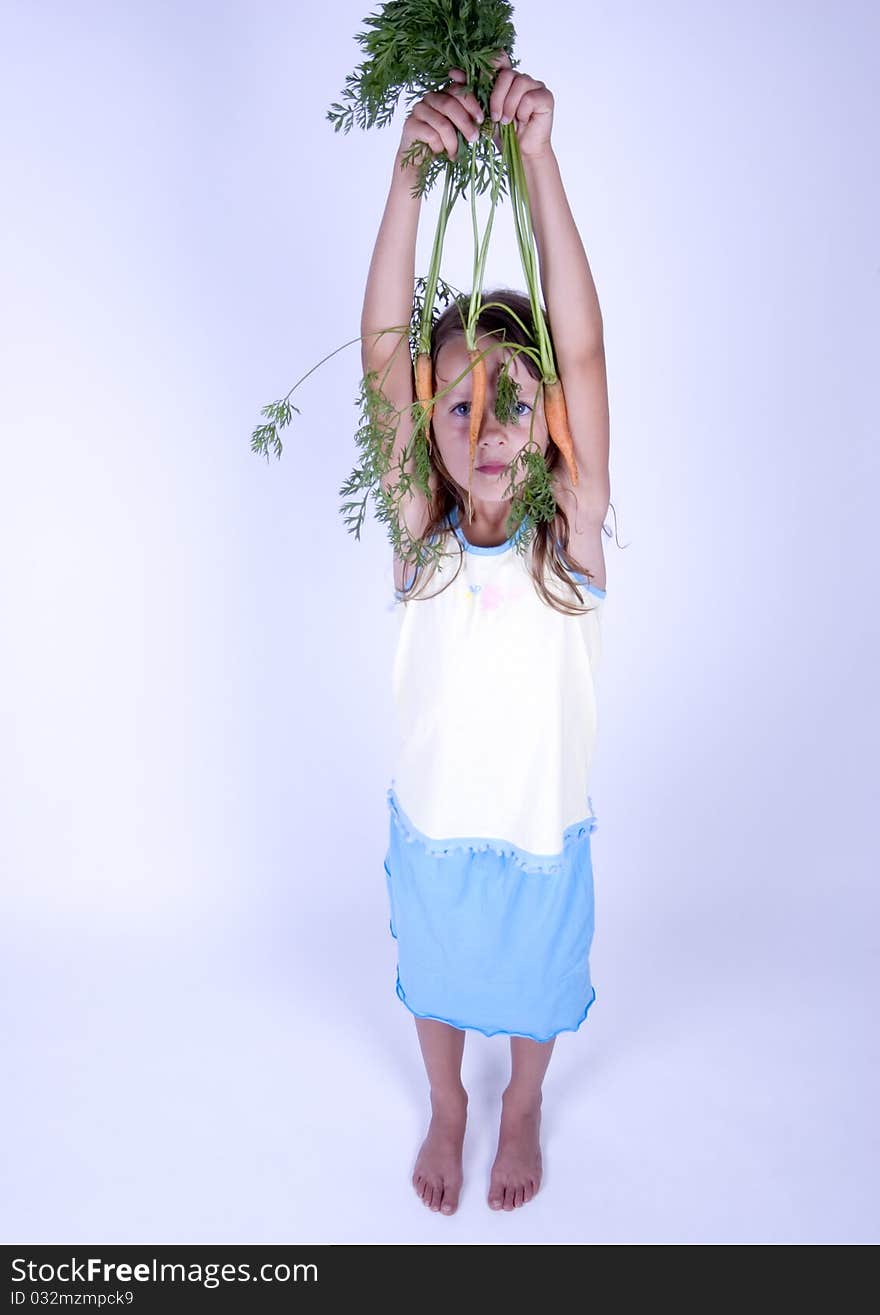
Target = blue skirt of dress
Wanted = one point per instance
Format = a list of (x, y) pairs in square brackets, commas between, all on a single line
[(485, 941)]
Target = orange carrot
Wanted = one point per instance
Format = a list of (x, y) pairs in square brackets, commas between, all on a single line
[(478, 402), (425, 388), (556, 415)]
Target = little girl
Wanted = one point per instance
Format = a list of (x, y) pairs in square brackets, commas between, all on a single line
[(488, 864)]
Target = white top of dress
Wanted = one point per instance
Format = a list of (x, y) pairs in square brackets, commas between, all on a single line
[(494, 693)]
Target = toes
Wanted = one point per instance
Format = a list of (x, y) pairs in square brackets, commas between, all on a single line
[(436, 1192), (509, 1196)]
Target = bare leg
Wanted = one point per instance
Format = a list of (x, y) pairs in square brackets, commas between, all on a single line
[(437, 1175), (516, 1173)]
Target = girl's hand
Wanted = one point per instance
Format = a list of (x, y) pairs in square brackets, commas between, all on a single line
[(524, 100), (435, 118)]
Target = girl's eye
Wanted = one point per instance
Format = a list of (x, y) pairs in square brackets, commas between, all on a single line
[(458, 404)]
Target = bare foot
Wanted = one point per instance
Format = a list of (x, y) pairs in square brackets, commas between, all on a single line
[(516, 1173), (437, 1175)]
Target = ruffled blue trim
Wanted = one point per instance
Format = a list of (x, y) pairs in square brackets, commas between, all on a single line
[(528, 861), (497, 1031)]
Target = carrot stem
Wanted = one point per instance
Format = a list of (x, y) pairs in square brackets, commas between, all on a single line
[(478, 403), (446, 206), (555, 409), (475, 306)]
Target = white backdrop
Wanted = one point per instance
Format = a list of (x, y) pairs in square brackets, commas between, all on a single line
[(195, 665)]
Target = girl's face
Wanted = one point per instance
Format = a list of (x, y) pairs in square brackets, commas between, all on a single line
[(498, 443)]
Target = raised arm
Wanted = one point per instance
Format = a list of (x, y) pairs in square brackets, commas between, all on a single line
[(576, 324), (388, 298), (435, 120), (566, 282), (566, 279), (388, 303)]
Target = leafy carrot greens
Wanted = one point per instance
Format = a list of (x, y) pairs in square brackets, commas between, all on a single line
[(410, 48)]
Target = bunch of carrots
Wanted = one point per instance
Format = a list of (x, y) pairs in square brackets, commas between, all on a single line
[(411, 45)]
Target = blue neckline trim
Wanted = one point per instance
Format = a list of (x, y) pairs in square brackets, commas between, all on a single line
[(454, 521)]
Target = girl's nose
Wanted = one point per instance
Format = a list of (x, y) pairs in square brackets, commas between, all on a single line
[(490, 424)]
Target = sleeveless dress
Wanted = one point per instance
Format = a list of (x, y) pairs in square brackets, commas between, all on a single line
[(488, 867)]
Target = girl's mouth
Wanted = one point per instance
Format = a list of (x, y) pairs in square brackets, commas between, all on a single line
[(494, 468)]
